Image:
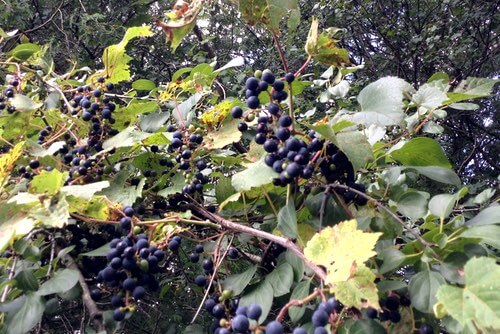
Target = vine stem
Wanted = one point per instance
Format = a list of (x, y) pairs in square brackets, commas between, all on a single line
[(392, 214), (303, 67), (287, 243), (296, 302), (11, 275), (280, 51)]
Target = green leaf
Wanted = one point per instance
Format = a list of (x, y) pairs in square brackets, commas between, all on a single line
[(62, 281), (487, 233), (300, 292), (322, 47), (287, 220), (101, 251), (389, 285), (363, 326), (440, 174), (476, 86), (442, 205), (255, 175), (413, 204), (297, 265), (25, 51), (143, 84), (182, 112), (85, 191), (178, 181), (154, 121), (260, 294), (54, 213), (359, 290), (125, 138), (120, 191), (26, 280), (24, 103), (116, 68), (429, 96), (235, 62), (421, 151), (193, 329), (381, 102), (127, 116), (14, 223), (12, 305), (356, 147), (237, 283), (27, 316), (393, 259), (477, 304), (281, 279), (423, 287), (48, 182), (340, 247), (488, 216), (226, 134)]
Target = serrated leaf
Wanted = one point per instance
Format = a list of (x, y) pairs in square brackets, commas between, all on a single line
[(7, 161), (226, 134), (421, 151), (260, 294), (281, 279), (359, 290), (127, 116), (381, 102), (300, 292), (62, 281), (429, 96), (255, 175), (24, 103), (48, 182), (356, 147), (85, 191), (477, 304), (339, 248), (27, 316), (238, 282), (116, 68), (287, 220), (423, 287), (476, 86)]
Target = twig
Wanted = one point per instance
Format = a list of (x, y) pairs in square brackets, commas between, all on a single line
[(392, 214), (94, 312), (11, 275), (280, 51), (296, 302)]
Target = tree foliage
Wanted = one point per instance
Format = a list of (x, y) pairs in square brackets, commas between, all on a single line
[(151, 184)]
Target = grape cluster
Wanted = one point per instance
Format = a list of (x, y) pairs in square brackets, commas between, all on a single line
[(390, 309), (184, 143), (132, 261), (293, 157), (8, 94)]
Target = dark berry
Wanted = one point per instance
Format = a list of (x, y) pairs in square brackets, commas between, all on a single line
[(173, 245), (218, 311), (253, 102), (242, 127), (233, 253), (254, 311), (273, 108), (96, 295), (289, 77), (118, 315), (139, 292), (392, 303), (319, 318), (128, 211), (271, 145), (268, 77), (236, 112), (299, 330), (198, 249), (129, 284), (320, 330), (252, 83), (125, 223), (371, 313), (425, 329), (208, 264), (279, 85), (194, 257), (395, 316), (34, 164), (200, 280), (285, 121), (240, 323), (274, 327)]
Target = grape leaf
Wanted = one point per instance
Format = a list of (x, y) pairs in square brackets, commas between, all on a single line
[(323, 48), (256, 175), (382, 102), (8, 159), (339, 248), (115, 60), (477, 304), (287, 220), (48, 182), (421, 151), (226, 134), (423, 287), (62, 281), (300, 291), (27, 316), (359, 290)]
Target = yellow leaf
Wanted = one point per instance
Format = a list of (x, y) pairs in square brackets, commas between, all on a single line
[(339, 248), (7, 161)]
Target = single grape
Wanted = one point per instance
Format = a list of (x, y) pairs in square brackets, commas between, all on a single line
[(285, 121), (200, 280), (371, 313), (242, 127), (139, 292), (274, 327), (278, 85), (96, 295), (289, 77), (194, 257), (240, 323), (252, 83), (273, 108), (208, 264), (253, 102), (268, 77), (320, 330), (218, 311), (209, 304), (392, 303), (319, 318), (128, 211), (299, 330), (198, 249), (129, 284), (118, 314), (425, 329), (395, 316), (254, 311), (173, 245)]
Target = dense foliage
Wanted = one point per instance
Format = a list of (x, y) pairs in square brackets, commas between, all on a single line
[(307, 197)]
